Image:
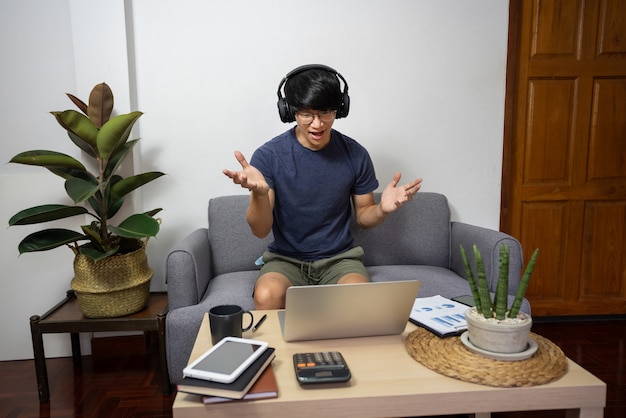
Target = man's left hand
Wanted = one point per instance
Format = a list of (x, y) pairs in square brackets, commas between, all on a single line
[(394, 196)]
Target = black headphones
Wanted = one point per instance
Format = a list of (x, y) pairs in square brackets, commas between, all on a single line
[(285, 111)]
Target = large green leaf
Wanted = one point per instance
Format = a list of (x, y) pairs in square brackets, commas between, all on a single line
[(100, 104), (114, 207), (68, 173), (114, 133), (118, 157), (45, 213), (137, 226), (48, 239), (48, 159), (80, 190), (79, 124), (83, 145), (127, 185)]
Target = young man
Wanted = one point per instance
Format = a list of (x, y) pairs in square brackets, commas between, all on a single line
[(303, 184)]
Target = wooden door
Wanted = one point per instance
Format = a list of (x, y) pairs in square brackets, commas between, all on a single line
[(564, 168)]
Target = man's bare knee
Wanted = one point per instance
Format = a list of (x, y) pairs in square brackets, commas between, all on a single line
[(269, 291), (353, 278)]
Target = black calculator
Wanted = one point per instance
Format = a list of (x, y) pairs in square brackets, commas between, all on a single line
[(321, 367)]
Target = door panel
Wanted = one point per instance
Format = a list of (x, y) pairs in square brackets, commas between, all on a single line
[(612, 30), (607, 148), (604, 232), (545, 226), (556, 29), (551, 116)]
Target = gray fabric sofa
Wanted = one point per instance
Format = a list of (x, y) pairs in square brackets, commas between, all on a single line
[(216, 265)]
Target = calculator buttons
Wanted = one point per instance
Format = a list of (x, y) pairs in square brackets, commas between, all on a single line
[(321, 367)]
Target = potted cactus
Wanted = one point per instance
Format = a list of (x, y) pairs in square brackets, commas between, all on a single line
[(111, 273), (493, 325)]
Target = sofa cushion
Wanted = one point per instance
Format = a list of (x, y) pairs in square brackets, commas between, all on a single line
[(435, 280)]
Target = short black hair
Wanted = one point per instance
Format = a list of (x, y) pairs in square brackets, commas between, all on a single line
[(313, 89)]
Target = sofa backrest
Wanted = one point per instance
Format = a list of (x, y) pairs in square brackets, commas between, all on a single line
[(418, 233)]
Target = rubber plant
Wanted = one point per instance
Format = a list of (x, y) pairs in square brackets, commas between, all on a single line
[(496, 308), (99, 194)]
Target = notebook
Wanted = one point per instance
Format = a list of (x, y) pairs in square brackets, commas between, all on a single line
[(265, 387), (347, 310), (235, 390)]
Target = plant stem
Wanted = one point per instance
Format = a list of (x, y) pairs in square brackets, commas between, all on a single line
[(102, 205)]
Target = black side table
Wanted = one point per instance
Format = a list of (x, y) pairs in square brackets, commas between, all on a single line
[(66, 317)]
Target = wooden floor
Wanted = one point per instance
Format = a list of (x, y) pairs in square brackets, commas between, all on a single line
[(116, 385)]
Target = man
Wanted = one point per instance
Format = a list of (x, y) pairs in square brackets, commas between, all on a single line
[(303, 185)]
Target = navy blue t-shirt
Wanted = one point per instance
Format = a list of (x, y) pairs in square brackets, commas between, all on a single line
[(313, 191)]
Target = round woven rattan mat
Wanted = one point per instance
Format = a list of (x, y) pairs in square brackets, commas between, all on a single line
[(448, 356)]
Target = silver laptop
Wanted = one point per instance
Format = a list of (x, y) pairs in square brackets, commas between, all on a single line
[(348, 310)]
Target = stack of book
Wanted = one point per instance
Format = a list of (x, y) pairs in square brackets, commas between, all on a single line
[(256, 382)]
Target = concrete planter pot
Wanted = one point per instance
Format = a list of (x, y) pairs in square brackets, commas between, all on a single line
[(508, 336)]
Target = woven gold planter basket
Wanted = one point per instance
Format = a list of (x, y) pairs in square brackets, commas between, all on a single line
[(115, 286)]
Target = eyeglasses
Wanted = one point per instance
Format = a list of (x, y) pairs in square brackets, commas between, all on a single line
[(324, 116)]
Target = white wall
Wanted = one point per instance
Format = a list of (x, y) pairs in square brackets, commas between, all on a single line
[(426, 81)]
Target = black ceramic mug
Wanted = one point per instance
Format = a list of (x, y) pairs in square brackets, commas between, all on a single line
[(227, 321)]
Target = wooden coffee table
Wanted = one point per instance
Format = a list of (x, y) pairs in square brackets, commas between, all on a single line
[(387, 382)]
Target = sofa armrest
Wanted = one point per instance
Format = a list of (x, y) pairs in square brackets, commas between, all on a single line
[(488, 242), (188, 270)]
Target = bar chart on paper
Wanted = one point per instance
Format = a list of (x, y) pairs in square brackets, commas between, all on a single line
[(440, 315)]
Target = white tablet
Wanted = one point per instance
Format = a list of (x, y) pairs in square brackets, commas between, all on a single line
[(226, 360)]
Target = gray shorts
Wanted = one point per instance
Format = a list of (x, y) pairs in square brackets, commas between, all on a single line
[(324, 271)]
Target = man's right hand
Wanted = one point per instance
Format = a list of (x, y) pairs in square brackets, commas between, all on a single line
[(249, 177)]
